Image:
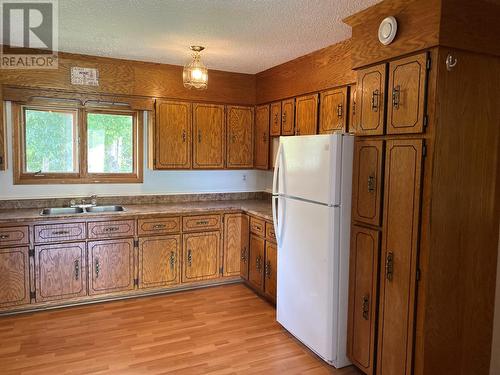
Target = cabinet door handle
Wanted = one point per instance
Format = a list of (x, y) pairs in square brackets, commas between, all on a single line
[(190, 258), (111, 229), (365, 307), (199, 136), (371, 183), (233, 138), (159, 226), (396, 97), (276, 118), (97, 268), (375, 100), (77, 269), (184, 136), (258, 264), (202, 222), (172, 260), (389, 266), (268, 269), (4, 236), (60, 232), (353, 107), (340, 110), (283, 117), (244, 254)]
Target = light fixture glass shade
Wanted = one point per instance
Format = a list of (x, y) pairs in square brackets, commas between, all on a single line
[(195, 74)]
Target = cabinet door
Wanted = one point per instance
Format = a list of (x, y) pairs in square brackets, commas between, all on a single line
[(209, 136), (333, 110), (399, 256), (367, 181), (111, 266), (201, 256), (262, 137), (270, 270), (288, 117), (363, 276), (235, 244), (407, 84), (159, 261), (239, 137), (256, 262), (60, 271), (276, 119), (306, 115), (14, 277), (352, 109), (370, 104), (172, 135)]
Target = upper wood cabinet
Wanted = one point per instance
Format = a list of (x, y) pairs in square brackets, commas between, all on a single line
[(288, 117), (261, 158), (275, 119), (352, 108), (400, 237), (14, 276), (306, 114), (60, 271), (270, 270), (367, 181), (407, 85), (111, 266), (256, 261), (240, 126), (370, 103), (333, 110), (208, 136), (172, 135), (159, 260), (200, 256), (235, 244), (363, 287)]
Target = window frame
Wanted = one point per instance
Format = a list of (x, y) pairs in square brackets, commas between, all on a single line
[(82, 176)]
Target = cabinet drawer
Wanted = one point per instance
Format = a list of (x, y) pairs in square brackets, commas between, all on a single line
[(14, 236), (270, 235), (203, 222), (59, 232), (160, 225), (257, 226), (109, 229)]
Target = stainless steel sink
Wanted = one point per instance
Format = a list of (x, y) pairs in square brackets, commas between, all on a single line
[(61, 211), (105, 209)]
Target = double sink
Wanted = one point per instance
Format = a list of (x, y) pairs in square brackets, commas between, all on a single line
[(79, 210)]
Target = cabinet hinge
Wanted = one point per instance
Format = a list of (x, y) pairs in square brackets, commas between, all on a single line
[(32, 295), (426, 120), (136, 243), (31, 253), (136, 282), (424, 150), (428, 63), (418, 274)]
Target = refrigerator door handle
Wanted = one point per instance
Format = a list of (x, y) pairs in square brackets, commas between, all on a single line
[(275, 219), (276, 170)]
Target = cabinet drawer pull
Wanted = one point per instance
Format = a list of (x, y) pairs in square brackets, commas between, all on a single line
[(371, 183), (340, 111), (77, 269), (276, 118), (396, 96), (60, 232), (268, 269), (111, 229), (283, 117), (354, 108), (258, 227), (4, 236), (159, 226), (172, 260), (258, 264), (202, 222), (184, 136), (389, 266), (244, 254), (375, 100), (190, 258), (199, 136), (365, 307), (97, 268)]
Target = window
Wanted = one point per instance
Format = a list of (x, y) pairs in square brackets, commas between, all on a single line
[(77, 145)]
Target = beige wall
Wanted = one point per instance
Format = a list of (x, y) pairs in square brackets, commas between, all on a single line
[(495, 355)]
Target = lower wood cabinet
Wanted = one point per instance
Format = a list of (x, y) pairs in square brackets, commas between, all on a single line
[(111, 264), (235, 244), (14, 277), (270, 270), (159, 261), (200, 256), (60, 271), (256, 261)]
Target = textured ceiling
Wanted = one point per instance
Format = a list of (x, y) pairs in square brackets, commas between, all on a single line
[(245, 36)]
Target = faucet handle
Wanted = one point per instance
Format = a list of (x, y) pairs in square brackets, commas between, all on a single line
[(93, 199), (72, 203)]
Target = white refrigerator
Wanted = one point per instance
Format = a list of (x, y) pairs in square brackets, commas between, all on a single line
[(312, 214)]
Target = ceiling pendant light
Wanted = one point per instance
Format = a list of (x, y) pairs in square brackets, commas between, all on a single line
[(195, 74)]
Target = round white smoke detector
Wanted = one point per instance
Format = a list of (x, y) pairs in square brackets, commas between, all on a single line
[(387, 30)]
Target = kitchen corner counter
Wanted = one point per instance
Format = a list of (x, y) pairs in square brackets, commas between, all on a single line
[(260, 208)]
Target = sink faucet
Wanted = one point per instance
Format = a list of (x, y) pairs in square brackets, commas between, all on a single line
[(91, 202)]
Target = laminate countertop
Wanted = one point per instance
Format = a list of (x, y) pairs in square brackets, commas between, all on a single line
[(260, 208)]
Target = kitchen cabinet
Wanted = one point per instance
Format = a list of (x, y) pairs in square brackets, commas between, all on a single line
[(363, 291), (209, 136), (270, 270), (399, 255), (406, 102), (172, 135), (14, 276), (367, 181), (288, 117), (159, 261), (306, 114), (261, 158), (111, 266), (239, 141), (370, 105), (333, 110), (256, 261), (352, 108), (60, 271), (275, 119), (236, 231), (201, 253)]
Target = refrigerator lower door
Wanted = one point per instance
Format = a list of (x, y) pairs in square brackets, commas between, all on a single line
[(308, 286)]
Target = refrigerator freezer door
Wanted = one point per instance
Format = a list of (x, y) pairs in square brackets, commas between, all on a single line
[(307, 302), (309, 168)]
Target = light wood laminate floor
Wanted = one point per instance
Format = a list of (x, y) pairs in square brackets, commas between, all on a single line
[(218, 330)]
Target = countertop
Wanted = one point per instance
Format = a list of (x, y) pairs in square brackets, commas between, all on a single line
[(261, 208)]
